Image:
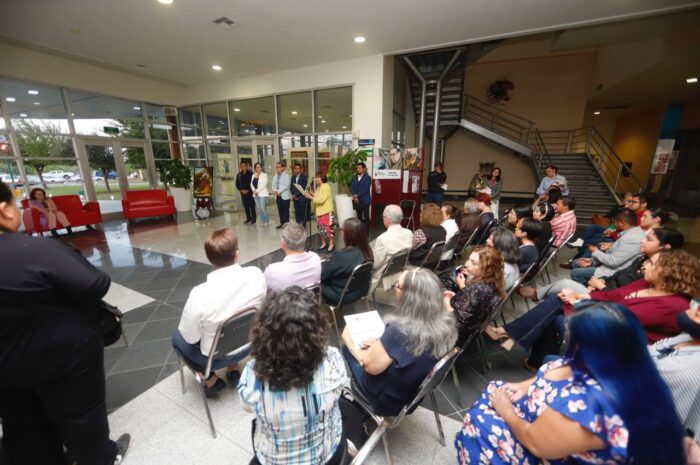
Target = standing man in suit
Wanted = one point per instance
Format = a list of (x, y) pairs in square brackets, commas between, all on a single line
[(280, 187), (300, 202), (361, 198), (243, 179)]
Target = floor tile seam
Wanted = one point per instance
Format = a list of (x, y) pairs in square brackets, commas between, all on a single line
[(125, 346), (162, 319), (446, 398), (132, 343), (112, 372)]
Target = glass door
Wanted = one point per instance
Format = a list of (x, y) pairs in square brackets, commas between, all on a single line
[(134, 171), (100, 157)]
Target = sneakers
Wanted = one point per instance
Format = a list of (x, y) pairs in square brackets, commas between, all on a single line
[(566, 266), (122, 447), (577, 243)]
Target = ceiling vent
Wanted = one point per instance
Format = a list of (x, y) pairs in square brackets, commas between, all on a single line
[(225, 23)]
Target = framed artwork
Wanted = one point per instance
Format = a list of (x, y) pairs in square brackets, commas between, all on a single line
[(203, 182)]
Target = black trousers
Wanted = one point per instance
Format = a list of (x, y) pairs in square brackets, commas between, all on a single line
[(301, 215), (362, 210), (283, 209), (248, 207), (52, 394)]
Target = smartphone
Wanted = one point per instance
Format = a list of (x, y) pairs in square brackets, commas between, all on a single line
[(459, 269)]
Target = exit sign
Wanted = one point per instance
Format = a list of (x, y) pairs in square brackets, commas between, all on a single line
[(362, 142), (110, 130)]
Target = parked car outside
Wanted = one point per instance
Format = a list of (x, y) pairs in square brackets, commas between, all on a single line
[(100, 175), (58, 176)]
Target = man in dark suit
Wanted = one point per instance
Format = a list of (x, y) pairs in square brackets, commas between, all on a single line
[(360, 189), (300, 202), (243, 180)]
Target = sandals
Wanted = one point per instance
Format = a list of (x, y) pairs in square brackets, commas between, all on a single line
[(495, 335)]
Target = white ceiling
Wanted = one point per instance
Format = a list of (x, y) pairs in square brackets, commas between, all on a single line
[(179, 42)]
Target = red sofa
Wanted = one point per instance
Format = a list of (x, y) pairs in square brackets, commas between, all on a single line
[(140, 204), (77, 213)]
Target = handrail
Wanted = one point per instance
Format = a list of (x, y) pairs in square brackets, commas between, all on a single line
[(540, 150), (500, 121)]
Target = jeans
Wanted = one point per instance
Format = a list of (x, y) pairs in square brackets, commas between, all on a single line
[(528, 328), (283, 209), (261, 203), (301, 214), (592, 235), (248, 207), (197, 360), (436, 197), (557, 287), (582, 275)]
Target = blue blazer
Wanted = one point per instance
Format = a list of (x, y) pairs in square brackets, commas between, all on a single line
[(301, 180), (362, 188)]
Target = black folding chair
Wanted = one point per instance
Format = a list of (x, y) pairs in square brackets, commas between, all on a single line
[(450, 246), (410, 207), (484, 232), (468, 243), (359, 281), (395, 264), (432, 258), (231, 338), (316, 289), (436, 375)]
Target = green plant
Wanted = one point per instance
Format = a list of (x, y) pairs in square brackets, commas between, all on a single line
[(343, 168), (174, 174)]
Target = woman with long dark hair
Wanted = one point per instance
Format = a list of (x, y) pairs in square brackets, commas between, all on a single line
[(430, 232), (505, 242), (544, 214), (260, 192), (336, 271), (494, 182), (604, 402), (293, 383), (49, 214), (516, 214)]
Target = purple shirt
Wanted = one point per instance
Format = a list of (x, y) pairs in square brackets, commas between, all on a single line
[(295, 270)]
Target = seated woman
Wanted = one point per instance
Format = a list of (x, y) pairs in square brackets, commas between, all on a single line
[(418, 332), (543, 214), (527, 231), (505, 242), (291, 359), (480, 287), (336, 271), (671, 279), (49, 214), (604, 402), (516, 214), (429, 233)]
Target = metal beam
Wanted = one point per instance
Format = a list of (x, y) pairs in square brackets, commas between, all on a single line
[(436, 116), (423, 94)]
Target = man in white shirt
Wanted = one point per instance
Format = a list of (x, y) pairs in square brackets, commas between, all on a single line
[(298, 268), (229, 289), (391, 241), (280, 187), (450, 226)]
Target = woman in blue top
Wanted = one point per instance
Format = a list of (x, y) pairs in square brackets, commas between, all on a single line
[(418, 332), (605, 402)]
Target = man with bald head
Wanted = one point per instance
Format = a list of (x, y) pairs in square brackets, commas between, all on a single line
[(394, 239)]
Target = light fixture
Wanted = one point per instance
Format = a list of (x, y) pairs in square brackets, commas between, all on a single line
[(137, 108), (216, 67), (236, 109), (691, 80), (37, 103), (23, 115), (596, 112), (359, 40), (295, 112), (306, 125), (345, 127), (323, 120), (10, 99), (33, 92), (320, 117), (165, 2)]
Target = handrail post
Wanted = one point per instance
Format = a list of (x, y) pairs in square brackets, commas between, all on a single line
[(568, 142), (589, 146), (617, 178)]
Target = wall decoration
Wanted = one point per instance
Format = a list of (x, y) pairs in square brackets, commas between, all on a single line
[(203, 182), (387, 164), (662, 157), (499, 89), (413, 159)]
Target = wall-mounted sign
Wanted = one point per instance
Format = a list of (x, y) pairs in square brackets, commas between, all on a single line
[(110, 130), (363, 142), (662, 157)]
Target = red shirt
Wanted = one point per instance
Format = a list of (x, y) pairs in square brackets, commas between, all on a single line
[(656, 314), (563, 226)]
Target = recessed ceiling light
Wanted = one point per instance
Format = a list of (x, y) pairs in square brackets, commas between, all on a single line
[(323, 120), (137, 108), (691, 80), (320, 117), (359, 40), (10, 99), (23, 115), (236, 109), (306, 125), (596, 112), (37, 103), (165, 2), (33, 92), (295, 112), (345, 127), (216, 67)]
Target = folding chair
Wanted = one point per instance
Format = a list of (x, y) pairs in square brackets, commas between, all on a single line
[(426, 388), (359, 280), (566, 241), (485, 231), (231, 338), (316, 289), (408, 206), (432, 258), (469, 242), (450, 246), (396, 264)]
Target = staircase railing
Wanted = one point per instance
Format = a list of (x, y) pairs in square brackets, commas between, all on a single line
[(498, 120), (589, 141), (540, 155)]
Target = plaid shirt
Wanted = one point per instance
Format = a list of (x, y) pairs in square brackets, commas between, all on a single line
[(563, 226)]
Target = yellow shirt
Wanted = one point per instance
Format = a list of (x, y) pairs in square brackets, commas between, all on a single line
[(323, 200)]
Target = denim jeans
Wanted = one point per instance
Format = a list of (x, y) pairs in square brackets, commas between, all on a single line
[(197, 360), (435, 197), (582, 274), (528, 328), (592, 235), (261, 203)]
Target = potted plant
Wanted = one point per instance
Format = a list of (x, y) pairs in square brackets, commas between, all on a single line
[(178, 178), (341, 170)]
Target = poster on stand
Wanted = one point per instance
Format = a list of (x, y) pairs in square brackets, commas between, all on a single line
[(662, 157), (412, 159), (203, 182), (387, 164)]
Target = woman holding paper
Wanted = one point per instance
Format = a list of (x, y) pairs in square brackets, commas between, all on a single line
[(418, 332)]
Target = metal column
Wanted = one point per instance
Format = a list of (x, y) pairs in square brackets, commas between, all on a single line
[(436, 118), (423, 96)]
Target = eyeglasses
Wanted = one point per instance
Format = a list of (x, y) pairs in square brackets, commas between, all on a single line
[(396, 286), (634, 201)]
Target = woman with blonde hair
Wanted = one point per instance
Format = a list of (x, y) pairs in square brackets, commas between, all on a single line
[(480, 283), (430, 232), (322, 199)]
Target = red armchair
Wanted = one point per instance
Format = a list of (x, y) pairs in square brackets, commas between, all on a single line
[(77, 213), (140, 204)]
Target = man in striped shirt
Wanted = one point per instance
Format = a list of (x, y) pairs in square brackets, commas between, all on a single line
[(564, 224)]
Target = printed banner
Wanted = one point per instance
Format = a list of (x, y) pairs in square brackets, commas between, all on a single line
[(662, 157)]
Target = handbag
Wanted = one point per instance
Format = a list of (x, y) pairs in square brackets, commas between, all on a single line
[(108, 323)]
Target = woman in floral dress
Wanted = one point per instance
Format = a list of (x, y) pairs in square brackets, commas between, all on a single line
[(604, 403)]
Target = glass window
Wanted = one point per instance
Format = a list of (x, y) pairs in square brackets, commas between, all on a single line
[(217, 119), (194, 151), (253, 116), (136, 169), (190, 123), (331, 146), (298, 149), (333, 109), (57, 176), (161, 150), (2, 120), (295, 113), (162, 122), (38, 106), (10, 175), (99, 115), (5, 147)]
